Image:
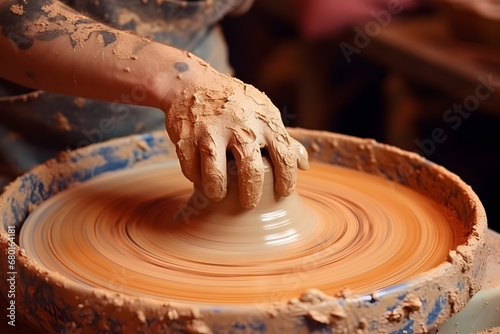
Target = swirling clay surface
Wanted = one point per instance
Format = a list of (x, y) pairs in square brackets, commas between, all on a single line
[(122, 232)]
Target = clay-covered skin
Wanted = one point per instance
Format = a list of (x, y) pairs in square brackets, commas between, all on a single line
[(347, 230), (217, 113), (54, 48)]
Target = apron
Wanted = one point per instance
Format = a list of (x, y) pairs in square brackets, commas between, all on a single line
[(36, 125)]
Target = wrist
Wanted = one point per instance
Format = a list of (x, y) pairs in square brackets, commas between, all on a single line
[(185, 73)]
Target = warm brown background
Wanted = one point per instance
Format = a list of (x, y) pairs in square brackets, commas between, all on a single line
[(396, 90)]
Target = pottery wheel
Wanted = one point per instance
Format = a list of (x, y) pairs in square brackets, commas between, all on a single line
[(131, 232)]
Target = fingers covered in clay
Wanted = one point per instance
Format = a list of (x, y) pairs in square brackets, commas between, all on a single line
[(210, 117), (285, 167), (302, 156), (250, 174), (187, 151), (213, 168)]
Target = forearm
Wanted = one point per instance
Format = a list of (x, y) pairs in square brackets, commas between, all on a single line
[(46, 45)]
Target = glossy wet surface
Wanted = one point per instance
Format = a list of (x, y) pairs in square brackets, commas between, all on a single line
[(130, 232)]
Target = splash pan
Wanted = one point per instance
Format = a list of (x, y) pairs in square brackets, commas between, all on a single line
[(113, 238)]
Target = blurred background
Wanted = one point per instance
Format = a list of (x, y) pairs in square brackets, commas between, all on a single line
[(420, 75)]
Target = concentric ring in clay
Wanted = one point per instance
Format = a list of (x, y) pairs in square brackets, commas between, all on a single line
[(118, 232), (404, 235)]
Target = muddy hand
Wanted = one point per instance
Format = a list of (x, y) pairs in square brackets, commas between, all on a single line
[(218, 114)]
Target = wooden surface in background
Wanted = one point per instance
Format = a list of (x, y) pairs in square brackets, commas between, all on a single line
[(425, 49)]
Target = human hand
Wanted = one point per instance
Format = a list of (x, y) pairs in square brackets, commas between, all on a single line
[(210, 114)]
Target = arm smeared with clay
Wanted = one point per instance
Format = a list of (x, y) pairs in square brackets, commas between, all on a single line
[(47, 45)]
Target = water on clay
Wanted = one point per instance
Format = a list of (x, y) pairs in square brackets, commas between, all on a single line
[(131, 232)]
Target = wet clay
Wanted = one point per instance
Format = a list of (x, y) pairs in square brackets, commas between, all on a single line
[(131, 232), (17, 9), (495, 330), (112, 299)]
